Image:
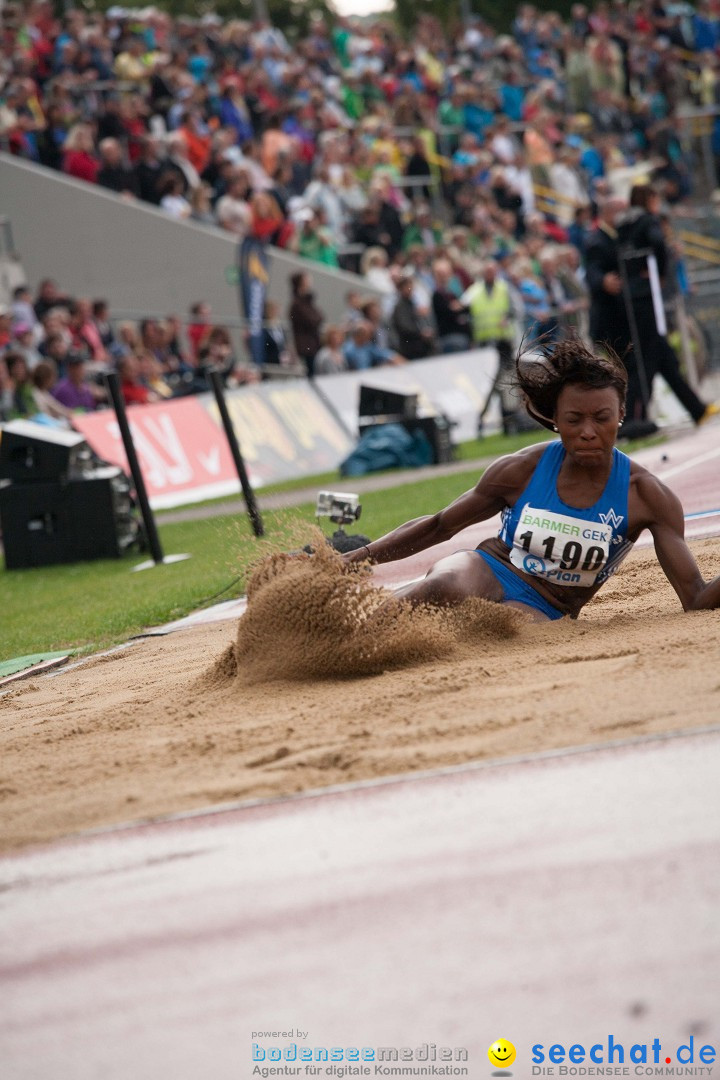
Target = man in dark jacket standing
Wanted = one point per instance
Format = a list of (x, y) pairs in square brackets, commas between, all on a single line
[(609, 323), (639, 230), (414, 338), (305, 319), (608, 317)]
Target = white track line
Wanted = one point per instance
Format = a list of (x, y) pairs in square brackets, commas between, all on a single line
[(689, 464)]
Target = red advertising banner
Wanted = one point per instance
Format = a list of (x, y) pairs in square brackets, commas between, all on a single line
[(284, 430), (183, 455)]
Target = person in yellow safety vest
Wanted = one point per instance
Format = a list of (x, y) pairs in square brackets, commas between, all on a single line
[(490, 306), (491, 314)]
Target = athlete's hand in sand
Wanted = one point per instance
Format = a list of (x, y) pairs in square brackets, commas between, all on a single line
[(359, 555)]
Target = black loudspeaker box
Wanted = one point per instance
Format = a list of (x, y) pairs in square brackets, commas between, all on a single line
[(377, 402), (31, 453), (47, 523)]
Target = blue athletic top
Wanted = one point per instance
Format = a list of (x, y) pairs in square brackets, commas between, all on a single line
[(561, 543)]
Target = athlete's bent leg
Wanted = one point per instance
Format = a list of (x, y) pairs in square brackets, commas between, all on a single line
[(452, 580), (457, 577)]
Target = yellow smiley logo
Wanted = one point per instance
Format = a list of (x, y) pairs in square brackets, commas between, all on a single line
[(501, 1053)]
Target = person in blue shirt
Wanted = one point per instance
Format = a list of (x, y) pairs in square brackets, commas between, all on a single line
[(570, 509), (361, 353)]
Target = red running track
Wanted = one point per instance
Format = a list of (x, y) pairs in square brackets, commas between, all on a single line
[(556, 900)]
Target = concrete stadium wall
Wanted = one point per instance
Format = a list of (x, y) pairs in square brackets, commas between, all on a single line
[(97, 244)]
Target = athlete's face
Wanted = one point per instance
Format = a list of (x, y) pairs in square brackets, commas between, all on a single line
[(588, 421)]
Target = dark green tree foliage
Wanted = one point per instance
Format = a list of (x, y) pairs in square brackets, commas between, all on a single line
[(293, 17), (497, 14)]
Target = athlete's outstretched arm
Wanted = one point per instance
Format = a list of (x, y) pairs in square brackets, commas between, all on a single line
[(489, 496), (675, 557)]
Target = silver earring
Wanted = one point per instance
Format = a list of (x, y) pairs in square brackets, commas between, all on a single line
[(554, 427)]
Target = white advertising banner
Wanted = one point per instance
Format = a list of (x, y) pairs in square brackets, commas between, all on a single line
[(457, 386)]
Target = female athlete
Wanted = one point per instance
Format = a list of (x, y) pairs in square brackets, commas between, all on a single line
[(571, 509)]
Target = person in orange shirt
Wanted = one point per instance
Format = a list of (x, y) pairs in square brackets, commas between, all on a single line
[(275, 144), (537, 145), (197, 139)]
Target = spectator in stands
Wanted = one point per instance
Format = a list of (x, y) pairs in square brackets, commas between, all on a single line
[(6, 334), (275, 145), (305, 320), (48, 297), (102, 324), (19, 399), (324, 195), (566, 180), (84, 333), (233, 211), (451, 316), (197, 139), (268, 222), (128, 339), (113, 173), (375, 267), (25, 344), (201, 206), (538, 317), (360, 353), (23, 310), (571, 276), (6, 390), (579, 230), (44, 378), (353, 309), (234, 112), (132, 64), (55, 349), (418, 168), (422, 231), (315, 240), (217, 353), (133, 389), (371, 311), (331, 358), (79, 160), (198, 327), (151, 374), (277, 346), (412, 334), (109, 122), (172, 200), (175, 358), (74, 391), (148, 170), (178, 163)]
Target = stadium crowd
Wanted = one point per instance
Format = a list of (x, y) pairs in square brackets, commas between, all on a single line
[(460, 174), (338, 141), (55, 348)]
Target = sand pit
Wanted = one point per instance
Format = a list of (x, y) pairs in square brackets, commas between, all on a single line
[(205, 716)]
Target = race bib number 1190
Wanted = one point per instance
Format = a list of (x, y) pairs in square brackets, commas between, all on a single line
[(564, 550)]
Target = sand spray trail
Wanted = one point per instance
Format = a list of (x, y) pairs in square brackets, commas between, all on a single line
[(312, 617)]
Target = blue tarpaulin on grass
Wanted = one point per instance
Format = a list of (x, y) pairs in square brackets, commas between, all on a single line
[(388, 446)]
